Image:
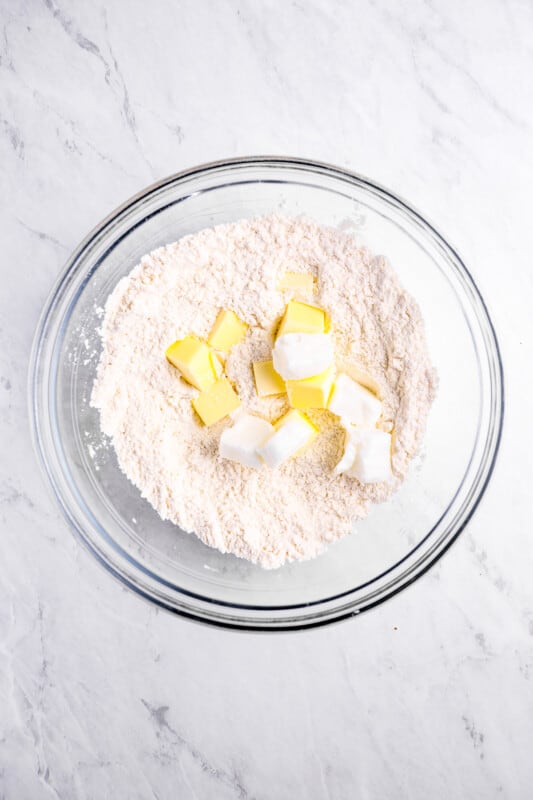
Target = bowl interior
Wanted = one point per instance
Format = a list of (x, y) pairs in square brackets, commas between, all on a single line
[(399, 537)]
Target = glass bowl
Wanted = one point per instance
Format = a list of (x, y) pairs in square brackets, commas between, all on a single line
[(401, 538)]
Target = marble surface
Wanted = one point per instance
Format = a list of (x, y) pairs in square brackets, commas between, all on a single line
[(431, 695)]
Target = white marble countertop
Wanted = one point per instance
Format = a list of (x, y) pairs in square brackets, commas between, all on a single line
[(431, 695)]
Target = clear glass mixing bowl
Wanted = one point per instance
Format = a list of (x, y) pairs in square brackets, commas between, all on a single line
[(400, 539)]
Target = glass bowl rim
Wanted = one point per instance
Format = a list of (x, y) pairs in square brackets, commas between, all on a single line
[(222, 619)]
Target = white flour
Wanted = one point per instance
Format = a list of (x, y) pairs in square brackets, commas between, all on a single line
[(267, 516)]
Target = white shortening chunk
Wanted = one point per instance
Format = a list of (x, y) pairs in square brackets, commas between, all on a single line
[(350, 452), (241, 442), (302, 355), (293, 431), (367, 455), (373, 460), (353, 403)]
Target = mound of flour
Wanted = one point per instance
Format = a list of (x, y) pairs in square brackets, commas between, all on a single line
[(268, 516)]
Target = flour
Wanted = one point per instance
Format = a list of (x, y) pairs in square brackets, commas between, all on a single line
[(268, 516)]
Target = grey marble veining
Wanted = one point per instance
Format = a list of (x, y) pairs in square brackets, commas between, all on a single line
[(102, 696)]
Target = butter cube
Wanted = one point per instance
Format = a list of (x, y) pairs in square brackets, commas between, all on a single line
[(193, 359), (353, 403), (227, 331), (311, 392), (302, 355), (267, 380), (240, 443), (218, 364), (292, 432), (302, 318), (216, 402), (302, 281)]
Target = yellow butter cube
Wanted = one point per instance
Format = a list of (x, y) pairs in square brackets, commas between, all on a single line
[(216, 402), (311, 392), (302, 318), (193, 359), (267, 380), (303, 281), (227, 331), (293, 416), (218, 364)]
